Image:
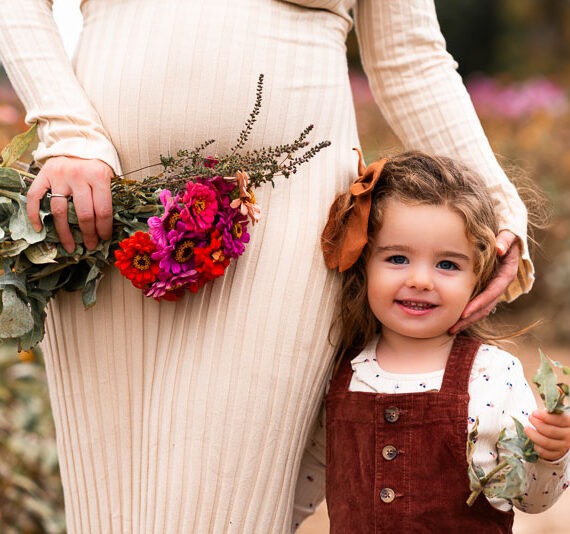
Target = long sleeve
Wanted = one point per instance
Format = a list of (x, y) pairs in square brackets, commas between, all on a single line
[(499, 392), (42, 74), (424, 100), (310, 489)]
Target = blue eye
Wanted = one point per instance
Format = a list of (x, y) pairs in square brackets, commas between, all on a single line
[(398, 260), (447, 265)]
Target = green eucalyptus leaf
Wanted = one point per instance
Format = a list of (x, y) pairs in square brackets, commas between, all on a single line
[(10, 249), (548, 388), (20, 226), (6, 210), (565, 370), (89, 292), (10, 179), (15, 316), (17, 146), (518, 443), (42, 252), (16, 280), (34, 335), (510, 482)]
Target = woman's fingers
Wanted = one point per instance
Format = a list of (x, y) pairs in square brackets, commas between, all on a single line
[(58, 207), (83, 203), (84, 182), (36, 192), (486, 301), (103, 205)]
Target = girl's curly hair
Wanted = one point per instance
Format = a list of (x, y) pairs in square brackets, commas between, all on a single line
[(415, 178)]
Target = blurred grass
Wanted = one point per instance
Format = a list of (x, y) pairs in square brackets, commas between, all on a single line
[(32, 499)]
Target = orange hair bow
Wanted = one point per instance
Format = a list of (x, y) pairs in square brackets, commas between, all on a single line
[(343, 244)]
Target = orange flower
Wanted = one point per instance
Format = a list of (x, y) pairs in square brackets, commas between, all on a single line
[(246, 201)]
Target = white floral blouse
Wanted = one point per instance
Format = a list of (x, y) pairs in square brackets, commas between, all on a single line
[(498, 391)]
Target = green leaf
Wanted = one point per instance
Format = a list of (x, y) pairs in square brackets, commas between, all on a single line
[(42, 252), (510, 482), (10, 279), (10, 179), (15, 317), (518, 443), (565, 370), (9, 249), (17, 146), (20, 226), (549, 390), (89, 293), (34, 335)]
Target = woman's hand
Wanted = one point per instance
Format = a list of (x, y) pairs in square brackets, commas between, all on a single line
[(86, 183), (509, 253), (551, 434)]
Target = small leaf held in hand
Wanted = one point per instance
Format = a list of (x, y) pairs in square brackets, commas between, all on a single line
[(551, 392)]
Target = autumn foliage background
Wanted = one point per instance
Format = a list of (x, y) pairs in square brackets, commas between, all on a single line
[(514, 56)]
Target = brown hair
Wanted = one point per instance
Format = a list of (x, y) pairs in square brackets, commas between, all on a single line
[(415, 178)]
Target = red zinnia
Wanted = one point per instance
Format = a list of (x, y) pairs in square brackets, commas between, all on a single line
[(211, 261), (134, 260)]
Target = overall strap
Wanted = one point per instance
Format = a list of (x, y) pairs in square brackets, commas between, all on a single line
[(459, 364), (342, 373)]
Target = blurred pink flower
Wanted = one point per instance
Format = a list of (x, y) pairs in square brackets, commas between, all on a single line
[(517, 100)]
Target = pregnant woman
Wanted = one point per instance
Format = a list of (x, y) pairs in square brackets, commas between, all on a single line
[(192, 416)]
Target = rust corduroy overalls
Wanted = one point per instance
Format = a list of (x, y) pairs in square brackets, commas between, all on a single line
[(397, 463)]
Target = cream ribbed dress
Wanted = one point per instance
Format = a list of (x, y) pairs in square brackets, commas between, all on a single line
[(192, 416)]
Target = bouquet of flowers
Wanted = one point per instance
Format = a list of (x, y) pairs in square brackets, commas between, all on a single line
[(172, 232)]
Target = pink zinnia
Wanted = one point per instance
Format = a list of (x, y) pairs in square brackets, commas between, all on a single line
[(200, 207)]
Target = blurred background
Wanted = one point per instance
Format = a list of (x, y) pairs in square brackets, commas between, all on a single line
[(514, 56)]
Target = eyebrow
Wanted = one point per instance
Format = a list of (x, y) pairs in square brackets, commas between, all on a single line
[(442, 253)]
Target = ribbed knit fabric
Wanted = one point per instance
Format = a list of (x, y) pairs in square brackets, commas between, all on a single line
[(191, 417)]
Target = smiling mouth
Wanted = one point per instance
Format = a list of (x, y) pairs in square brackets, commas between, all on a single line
[(413, 305)]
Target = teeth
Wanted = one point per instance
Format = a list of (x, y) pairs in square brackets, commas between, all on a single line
[(417, 305)]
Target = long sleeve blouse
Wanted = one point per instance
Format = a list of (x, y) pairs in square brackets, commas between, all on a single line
[(412, 76), (498, 392)]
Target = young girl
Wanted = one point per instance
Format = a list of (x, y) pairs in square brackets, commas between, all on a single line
[(415, 240)]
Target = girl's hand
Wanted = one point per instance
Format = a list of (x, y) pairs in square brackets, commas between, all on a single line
[(86, 183), (551, 434), (509, 252)]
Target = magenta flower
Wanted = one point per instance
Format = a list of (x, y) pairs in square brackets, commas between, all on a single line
[(160, 227), (222, 186), (233, 227), (210, 162), (173, 287), (200, 207), (176, 254)]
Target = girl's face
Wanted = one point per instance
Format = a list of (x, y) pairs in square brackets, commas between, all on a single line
[(420, 271)]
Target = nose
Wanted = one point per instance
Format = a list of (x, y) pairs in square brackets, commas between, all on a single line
[(420, 278)]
